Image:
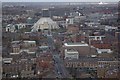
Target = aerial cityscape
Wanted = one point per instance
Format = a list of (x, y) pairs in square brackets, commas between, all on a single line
[(57, 40)]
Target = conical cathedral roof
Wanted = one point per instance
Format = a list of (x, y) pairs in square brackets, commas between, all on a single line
[(44, 23)]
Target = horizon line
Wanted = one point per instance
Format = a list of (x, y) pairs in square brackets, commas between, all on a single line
[(66, 1)]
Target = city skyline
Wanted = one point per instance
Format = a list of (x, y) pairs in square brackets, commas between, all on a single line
[(60, 40), (59, 1)]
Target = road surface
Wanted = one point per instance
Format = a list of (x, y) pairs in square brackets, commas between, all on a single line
[(59, 65)]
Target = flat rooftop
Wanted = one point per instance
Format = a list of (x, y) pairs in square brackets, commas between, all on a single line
[(75, 44)]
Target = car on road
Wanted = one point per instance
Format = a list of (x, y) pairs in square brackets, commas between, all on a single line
[(59, 72)]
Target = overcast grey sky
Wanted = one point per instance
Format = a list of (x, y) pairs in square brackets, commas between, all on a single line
[(59, 0)]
